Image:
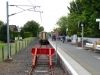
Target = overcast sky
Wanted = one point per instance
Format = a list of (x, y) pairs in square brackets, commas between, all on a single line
[(52, 11)]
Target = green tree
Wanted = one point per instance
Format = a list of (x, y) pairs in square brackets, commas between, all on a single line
[(90, 13), (62, 23), (87, 12), (1, 23), (31, 26), (22, 33), (41, 28), (3, 33), (73, 20), (74, 17)]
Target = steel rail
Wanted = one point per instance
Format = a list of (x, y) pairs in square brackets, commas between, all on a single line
[(30, 72), (51, 71), (33, 67)]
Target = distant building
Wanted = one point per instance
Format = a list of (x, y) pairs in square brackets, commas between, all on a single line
[(14, 28)]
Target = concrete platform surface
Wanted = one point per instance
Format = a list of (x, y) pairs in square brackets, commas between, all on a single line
[(84, 62)]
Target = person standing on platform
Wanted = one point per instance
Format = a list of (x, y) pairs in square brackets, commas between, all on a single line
[(63, 38)]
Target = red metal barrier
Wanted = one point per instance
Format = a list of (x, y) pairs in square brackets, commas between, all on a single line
[(50, 58), (44, 51), (35, 57), (39, 51)]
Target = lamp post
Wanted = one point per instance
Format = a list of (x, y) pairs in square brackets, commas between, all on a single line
[(82, 25), (8, 37), (67, 31)]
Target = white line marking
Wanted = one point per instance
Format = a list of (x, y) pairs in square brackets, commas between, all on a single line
[(79, 47)]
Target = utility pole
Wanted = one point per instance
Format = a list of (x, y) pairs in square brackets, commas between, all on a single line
[(82, 25), (7, 12), (82, 33), (8, 41)]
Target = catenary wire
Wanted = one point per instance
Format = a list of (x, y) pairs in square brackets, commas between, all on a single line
[(37, 9)]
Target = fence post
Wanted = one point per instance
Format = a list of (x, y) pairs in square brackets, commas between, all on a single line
[(15, 47), (22, 44), (10, 49), (19, 45), (25, 43), (2, 53)]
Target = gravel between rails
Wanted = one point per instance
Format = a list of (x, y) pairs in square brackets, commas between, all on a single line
[(20, 64)]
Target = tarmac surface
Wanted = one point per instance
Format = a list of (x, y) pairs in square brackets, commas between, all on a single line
[(87, 59)]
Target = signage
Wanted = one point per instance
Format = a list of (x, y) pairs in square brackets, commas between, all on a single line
[(97, 20), (57, 34)]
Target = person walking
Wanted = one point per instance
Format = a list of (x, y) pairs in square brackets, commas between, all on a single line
[(63, 38)]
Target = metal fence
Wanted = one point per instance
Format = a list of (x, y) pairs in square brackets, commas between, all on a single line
[(14, 47)]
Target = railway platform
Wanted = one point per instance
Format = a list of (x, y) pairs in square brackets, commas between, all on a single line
[(78, 60)]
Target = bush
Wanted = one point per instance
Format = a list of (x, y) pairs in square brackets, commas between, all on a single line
[(14, 34), (3, 33), (27, 34)]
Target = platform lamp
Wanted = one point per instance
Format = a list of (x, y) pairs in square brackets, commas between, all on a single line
[(82, 25)]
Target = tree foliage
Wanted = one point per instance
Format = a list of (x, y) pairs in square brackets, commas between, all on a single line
[(62, 23), (87, 12), (1, 23), (73, 20), (41, 28), (22, 34), (31, 26), (3, 33)]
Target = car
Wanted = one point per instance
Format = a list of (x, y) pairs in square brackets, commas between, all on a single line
[(85, 41), (11, 40)]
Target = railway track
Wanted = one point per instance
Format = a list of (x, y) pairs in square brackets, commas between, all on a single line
[(22, 64), (44, 58), (42, 66)]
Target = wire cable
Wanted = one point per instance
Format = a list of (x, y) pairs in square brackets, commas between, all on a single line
[(35, 2), (31, 3), (20, 11), (38, 10)]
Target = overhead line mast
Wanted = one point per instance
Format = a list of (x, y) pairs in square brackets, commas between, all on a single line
[(7, 11)]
